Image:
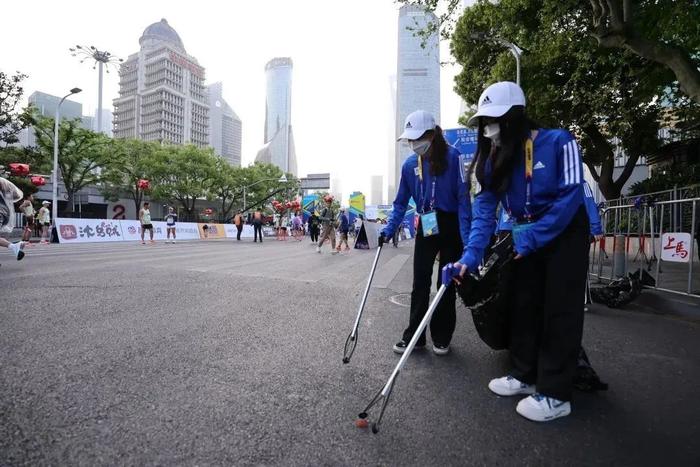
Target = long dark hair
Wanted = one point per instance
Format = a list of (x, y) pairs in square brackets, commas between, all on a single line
[(515, 129), (438, 154)]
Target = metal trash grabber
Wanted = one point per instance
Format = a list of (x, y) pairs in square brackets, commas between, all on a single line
[(448, 273), (351, 341)]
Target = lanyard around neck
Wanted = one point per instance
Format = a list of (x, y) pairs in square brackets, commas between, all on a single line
[(422, 195), (529, 158)]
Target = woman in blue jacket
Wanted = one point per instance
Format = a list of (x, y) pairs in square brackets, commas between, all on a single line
[(536, 175), (434, 176)]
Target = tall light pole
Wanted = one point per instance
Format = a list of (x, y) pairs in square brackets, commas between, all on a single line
[(54, 178), (102, 60), (282, 179), (516, 51)]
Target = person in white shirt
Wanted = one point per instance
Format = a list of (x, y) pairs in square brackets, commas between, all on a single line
[(44, 221), (9, 195)]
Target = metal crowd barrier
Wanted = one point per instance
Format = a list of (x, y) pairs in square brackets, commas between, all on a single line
[(633, 236)]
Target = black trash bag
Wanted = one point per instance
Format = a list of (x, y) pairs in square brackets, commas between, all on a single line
[(585, 378), (647, 279), (619, 292), (486, 294)]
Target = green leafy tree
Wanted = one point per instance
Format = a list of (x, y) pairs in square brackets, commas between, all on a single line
[(262, 180), (82, 153), (225, 186), (12, 118), (182, 174), (132, 160)]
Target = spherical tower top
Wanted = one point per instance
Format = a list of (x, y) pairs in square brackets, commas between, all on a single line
[(160, 32)]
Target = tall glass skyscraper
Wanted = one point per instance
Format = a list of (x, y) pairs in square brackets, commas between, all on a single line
[(417, 78), (279, 142)]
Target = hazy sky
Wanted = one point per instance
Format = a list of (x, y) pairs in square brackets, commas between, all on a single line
[(343, 51)]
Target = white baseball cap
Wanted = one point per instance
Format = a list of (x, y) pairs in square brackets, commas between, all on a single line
[(46, 202), (497, 99), (416, 124)]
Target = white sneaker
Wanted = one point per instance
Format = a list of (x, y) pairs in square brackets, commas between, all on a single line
[(441, 349), (16, 249), (539, 408), (318, 249), (509, 386)]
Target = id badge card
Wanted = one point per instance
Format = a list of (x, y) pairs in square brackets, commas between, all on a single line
[(428, 222), (518, 229)]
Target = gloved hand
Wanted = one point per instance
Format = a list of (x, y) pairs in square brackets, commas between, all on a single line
[(381, 240)]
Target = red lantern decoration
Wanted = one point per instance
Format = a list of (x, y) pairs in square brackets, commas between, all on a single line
[(38, 180), (143, 184), (19, 170)]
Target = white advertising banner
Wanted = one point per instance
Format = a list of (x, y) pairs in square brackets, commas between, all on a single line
[(88, 230), (675, 247)]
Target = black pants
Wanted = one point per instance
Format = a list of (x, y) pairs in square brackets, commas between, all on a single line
[(449, 244), (547, 318), (314, 234), (257, 230), (239, 229)]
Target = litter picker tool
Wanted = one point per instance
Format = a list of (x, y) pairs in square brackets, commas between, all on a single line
[(448, 273), (351, 341)]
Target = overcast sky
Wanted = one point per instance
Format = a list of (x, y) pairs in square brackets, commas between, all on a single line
[(344, 53)]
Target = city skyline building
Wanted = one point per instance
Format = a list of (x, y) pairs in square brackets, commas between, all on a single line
[(225, 127), (376, 189), (162, 96), (417, 78), (45, 104), (278, 148)]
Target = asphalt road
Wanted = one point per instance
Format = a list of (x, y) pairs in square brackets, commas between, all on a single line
[(225, 353)]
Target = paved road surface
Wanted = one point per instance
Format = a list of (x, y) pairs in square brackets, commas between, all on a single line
[(222, 353)]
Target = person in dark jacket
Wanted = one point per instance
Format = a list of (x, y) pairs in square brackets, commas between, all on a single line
[(344, 230), (536, 175), (314, 227), (434, 176)]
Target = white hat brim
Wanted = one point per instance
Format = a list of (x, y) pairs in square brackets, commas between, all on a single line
[(490, 111), (411, 134)]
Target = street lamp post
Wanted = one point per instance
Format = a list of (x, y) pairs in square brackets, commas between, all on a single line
[(54, 178), (516, 51), (101, 58), (282, 179)]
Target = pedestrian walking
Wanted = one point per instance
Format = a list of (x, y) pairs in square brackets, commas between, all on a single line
[(298, 227), (536, 175), (238, 222), (170, 221), (145, 218), (433, 176), (328, 219), (9, 195), (344, 229), (44, 221), (314, 227), (257, 225), (27, 210)]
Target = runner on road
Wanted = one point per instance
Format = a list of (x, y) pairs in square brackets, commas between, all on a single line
[(27, 209), (44, 220), (9, 195), (170, 221), (145, 218)]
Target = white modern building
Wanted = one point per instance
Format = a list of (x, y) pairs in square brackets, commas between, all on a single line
[(225, 127), (377, 189), (417, 78), (162, 96), (278, 146)]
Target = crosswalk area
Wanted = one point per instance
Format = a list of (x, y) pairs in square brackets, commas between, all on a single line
[(290, 260)]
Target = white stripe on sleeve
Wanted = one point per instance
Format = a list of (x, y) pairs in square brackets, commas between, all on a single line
[(566, 164), (577, 162)]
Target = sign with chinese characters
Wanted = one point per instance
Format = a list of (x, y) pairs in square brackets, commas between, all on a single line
[(185, 63), (675, 246), (88, 230)]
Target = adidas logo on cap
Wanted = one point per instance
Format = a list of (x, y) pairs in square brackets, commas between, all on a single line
[(486, 101), (408, 125)]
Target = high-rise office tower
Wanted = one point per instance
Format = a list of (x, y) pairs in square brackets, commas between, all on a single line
[(376, 189), (225, 128), (279, 141), (162, 96), (417, 76), (45, 104)]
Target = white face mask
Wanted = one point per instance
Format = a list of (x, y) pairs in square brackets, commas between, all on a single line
[(493, 132), (420, 146)]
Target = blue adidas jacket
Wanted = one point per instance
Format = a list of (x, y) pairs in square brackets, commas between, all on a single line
[(451, 193), (505, 223), (557, 193), (592, 210)]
